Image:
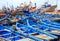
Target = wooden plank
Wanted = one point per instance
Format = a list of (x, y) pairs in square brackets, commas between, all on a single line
[(25, 39), (2, 14), (57, 32), (44, 37)]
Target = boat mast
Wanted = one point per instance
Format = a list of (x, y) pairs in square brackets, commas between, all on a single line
[(56, 7), (7, 4)]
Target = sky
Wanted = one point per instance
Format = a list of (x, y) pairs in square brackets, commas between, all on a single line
[(16, 3)]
